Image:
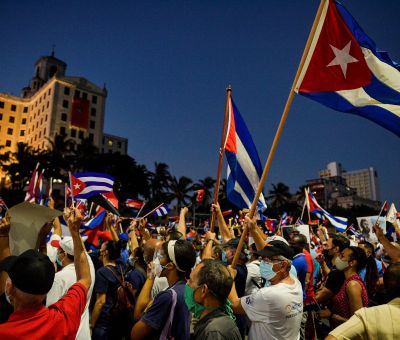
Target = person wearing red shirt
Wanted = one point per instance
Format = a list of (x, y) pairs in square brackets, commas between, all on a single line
[(30, 277)]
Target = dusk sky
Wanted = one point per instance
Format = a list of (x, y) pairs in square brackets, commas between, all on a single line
[(166, 65)]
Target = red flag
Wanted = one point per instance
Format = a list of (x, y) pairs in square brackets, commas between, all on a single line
[(110, 196), (80, 113), (227, 212), (200, 195), (30, 192), (77, 185), (135, 204)]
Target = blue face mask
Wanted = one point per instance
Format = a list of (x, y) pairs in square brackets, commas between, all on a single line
[(224, 259), (267, 271), (58, 261)]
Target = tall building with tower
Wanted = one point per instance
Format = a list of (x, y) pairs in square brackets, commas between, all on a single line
[(54, 103)]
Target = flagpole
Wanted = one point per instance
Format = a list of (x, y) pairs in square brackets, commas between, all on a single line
[(383, 206), (150, 212), (90, 209), (279, 130), (72, 189), (140, 210), (308, 204), (221, 155)]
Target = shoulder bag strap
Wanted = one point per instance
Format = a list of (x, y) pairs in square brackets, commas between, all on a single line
[(167, 327)]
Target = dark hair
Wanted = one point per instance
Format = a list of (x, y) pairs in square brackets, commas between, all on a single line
[(185, 257), (217, 278), (372, 274), (138, 252), (340, 241), (174, 235), (114, 250), (391, 279), (299, 240), (217, 250), (359, 255)]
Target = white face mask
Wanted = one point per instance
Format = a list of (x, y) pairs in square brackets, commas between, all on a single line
[(157, 267), (8, 284), (340, 264)]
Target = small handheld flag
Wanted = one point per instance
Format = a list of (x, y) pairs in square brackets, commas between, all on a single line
[(200, 195), (135, 204), (161, 211), (88, 184)]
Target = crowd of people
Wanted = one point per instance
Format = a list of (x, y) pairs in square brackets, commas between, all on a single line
[(189, 283)]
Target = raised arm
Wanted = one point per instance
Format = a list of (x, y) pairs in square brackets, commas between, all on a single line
[(391, 250), (223, 228), (182, 221), (74, 218)]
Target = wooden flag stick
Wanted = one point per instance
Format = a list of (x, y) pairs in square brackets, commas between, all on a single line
[(140, 210), (221, 155), (150, 212), (279, 131), (72, 190)]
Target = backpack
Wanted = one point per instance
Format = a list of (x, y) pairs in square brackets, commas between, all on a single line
[(125, 301)]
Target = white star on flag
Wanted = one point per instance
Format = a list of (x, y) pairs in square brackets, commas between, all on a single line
[(342, 57), (77, 186)]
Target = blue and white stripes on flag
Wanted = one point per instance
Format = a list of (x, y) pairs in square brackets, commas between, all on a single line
[(345, 70), (244, 166), (340, 223), (162, 211), (88, 184)]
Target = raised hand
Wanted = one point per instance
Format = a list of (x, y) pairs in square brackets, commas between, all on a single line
[(73, 218)]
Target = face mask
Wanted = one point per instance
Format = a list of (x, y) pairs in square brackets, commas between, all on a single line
[(340, 264), (267, 271), (194, 307), (224, 259), (131, 261), (157, 267), (59, 262), (8, 283)]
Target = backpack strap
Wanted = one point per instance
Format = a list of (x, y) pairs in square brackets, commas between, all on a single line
[(167, 327), (121, 281)]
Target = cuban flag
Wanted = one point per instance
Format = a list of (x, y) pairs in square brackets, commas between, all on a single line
[(88, 184), (340, 223), (135, 204), (162, 211), (244, 166), (345, 71)]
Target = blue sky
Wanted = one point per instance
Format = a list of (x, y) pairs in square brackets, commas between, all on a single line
[(166, 65)]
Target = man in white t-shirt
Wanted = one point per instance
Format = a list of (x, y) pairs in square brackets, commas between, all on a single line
[(65, 278), (275, 312)]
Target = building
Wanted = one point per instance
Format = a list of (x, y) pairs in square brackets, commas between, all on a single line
[(365, 181), (114, 144), (54, 103), (338, 187)]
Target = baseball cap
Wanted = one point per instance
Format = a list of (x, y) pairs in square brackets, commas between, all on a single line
[(67, 245), (277, 238), (31, 272), (233, 243), (276, 248)]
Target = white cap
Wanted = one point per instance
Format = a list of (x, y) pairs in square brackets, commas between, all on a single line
[(67, 245), (277, 238)]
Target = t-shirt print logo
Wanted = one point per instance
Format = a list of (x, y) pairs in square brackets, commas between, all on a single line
[(293, 310), (249, 300)]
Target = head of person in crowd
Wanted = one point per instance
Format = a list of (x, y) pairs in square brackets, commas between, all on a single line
[(253, 252), (351, 260), (174, 235), (335, 245), (298, 242), (372, 274), (136, 258), (208, 288), (65, 252), (217, 252), (30, 277), (276, 261), (386, 259), (110, 251), (229, 251), (174, 260), (149, 249), (391, 279)]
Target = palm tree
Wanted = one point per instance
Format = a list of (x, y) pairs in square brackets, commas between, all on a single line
[(179, 190), (279, 195), (159, 182), (85, 154)]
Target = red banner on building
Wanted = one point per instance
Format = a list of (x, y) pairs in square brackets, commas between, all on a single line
[(80, 113)]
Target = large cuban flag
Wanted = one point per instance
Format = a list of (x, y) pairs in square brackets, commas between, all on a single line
[(345, 71), (88, 184), (244, 166)]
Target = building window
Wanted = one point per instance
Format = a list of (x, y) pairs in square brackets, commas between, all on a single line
[(1, 105), (64, 117), (1, 116), (66, 91), (119, 145), (48, 103), (44, 132), (92, 124), (73, 133), (14, 108), (23, 121), (84, 95), (77, 93), (91, 137), (81, 135), (49, 92), (93, 111), (40, 134), (11, 119), (8, 143), (110, 142), (22, 133), (94, 99), (9, 131), (45, 118), (65, 104), (25, 109), (62, 130)]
